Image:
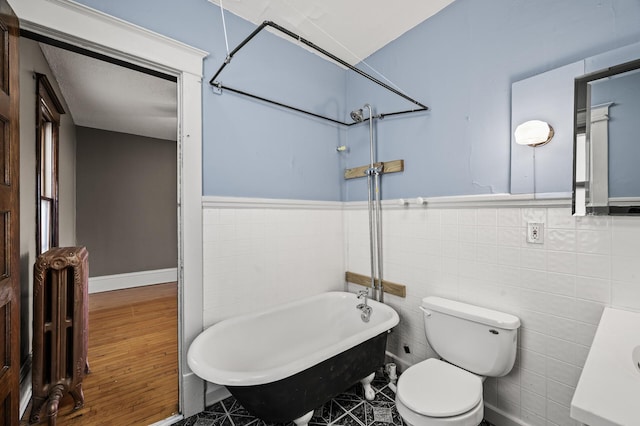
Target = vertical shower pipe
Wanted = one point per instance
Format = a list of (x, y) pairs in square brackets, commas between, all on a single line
[(375, 228)]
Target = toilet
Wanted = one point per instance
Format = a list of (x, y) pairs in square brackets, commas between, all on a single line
[(473, 343)]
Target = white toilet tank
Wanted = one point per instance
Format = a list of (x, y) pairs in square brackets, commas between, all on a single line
[(476, 339)]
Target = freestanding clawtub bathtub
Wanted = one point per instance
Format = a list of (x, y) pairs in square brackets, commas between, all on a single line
[(284, 362)]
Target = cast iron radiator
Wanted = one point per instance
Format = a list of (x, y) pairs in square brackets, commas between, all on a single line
[(60, 329)]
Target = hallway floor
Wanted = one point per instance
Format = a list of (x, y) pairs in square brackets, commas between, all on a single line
[(133, 356)]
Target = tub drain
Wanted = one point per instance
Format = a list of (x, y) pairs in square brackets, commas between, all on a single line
[(382, 414)]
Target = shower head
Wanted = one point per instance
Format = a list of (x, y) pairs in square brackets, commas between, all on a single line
[(357, 115)]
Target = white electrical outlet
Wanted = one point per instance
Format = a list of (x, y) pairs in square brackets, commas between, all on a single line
[(535, 233)]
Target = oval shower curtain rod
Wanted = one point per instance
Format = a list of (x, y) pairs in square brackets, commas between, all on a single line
[(311, 45)]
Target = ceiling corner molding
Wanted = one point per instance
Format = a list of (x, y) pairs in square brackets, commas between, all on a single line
[(95, 28)]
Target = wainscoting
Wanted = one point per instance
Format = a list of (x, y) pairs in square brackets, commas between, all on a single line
[(477, 252), (259, 253), (473, 248)]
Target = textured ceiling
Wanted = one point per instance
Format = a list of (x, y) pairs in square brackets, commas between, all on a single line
[(351, 30), (105, 96)]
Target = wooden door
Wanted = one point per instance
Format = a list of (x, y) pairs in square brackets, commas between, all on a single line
[(9, 219)]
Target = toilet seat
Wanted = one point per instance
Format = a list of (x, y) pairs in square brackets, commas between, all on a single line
[(434, 388)]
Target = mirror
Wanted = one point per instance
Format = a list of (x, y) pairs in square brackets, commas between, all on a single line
[(606, 171)]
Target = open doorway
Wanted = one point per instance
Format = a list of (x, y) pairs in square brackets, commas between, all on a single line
[(70, 22), (117, 185)]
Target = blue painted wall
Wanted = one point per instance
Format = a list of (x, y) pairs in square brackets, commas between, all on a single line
[(460, 62), (251, 149)]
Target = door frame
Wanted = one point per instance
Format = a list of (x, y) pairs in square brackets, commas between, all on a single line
[(80, 25)]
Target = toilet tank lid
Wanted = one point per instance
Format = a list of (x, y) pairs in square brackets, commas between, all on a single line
[(471, 312)]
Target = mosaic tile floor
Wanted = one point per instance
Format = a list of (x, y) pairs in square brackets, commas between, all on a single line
[(347, 409)]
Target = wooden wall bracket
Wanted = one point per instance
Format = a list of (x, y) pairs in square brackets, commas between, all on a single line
[(394, 166), (399, 290)]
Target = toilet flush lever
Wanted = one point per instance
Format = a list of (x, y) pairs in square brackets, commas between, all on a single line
[(426, 313)]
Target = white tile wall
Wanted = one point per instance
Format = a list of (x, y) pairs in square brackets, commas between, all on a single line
[(256, 257), (480, 255)]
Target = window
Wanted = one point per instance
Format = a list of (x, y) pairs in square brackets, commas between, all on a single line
[(49, 110)]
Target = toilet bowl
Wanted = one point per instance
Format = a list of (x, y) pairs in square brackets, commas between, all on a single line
[(473, 342), (433, 393)]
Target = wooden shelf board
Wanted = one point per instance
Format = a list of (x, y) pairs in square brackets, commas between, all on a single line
[(399, 290), (394, 166)]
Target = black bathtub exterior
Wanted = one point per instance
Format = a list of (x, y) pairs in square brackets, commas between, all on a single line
[(294, 396)]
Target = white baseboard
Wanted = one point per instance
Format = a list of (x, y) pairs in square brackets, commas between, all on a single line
[(215, 393), (192, 398), (498, 417), (168, 421), (132, 279)]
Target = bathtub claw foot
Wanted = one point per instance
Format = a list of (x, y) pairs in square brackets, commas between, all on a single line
[(304, 420), (369, 393)]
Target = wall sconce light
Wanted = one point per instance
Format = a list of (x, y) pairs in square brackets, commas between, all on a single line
[(533, 133)]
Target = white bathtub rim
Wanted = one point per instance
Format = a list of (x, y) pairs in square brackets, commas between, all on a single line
[(200, 367)]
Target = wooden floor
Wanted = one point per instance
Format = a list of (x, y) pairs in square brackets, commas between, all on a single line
[(133, 356)]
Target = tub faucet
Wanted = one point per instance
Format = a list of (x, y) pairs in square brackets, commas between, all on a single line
[(361, 294), (366, 309)]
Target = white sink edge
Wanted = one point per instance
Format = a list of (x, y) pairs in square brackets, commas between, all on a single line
[(606, 394)]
